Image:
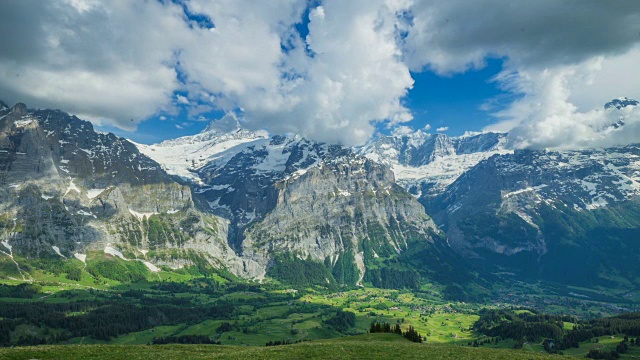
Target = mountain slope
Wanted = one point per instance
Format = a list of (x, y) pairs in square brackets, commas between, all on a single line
[(66, 190), (558, 215), (293, 201)]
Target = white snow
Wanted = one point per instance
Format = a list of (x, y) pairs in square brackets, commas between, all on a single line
[(597, 203), (81, 257), (114, 252), (93, 193), (57, 250), (46, 197), (534, 188), (6, 244), (343, 192), (72, 187), (85, 213), (24, 123), (172, 211), (151, 267), (184, 155), (276, 159), (141, 215)]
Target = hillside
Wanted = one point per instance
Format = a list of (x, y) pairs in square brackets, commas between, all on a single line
[(373, 346)]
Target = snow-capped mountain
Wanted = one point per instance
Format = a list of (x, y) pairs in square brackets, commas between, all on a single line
[(426, 164), (286, 194), (620, 107), (184, 156)]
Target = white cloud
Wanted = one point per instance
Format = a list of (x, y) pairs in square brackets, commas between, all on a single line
[(562, 66), (442, 129), (427, 127), (547, 117), (119, 62), (355, 76), (402, 130), (182, 100)]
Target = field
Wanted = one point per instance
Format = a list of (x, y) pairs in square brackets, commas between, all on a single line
[(97, 316), (372, 346)]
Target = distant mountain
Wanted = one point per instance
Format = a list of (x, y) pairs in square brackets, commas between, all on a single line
[(426, 164), (620, 103), (564, 216)]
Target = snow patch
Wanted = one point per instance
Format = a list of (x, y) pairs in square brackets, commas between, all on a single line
[(81, 257), (151, 267), (57, 250), (72, 187), (93, 193), (114, 252), (139, 216), (85, 213), (343, 192), (24, 123), (534, 188)]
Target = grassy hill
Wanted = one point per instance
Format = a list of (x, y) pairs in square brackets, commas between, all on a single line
[(371, 346)]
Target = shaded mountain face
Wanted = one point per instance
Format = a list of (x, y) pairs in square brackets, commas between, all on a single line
[(66, 190), (562, 216)]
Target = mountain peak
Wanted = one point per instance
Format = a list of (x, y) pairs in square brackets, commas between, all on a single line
[(227, 124), (620, 103), (19, 108), (3, 105)]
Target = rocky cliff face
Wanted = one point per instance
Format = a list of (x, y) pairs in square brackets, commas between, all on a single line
[(66, 190), (317, 202), (341, 207)]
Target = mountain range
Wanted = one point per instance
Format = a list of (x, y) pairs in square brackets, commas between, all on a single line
[(400, 209)]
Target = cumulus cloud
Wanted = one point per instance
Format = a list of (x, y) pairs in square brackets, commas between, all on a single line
[(453, 36), (442, 129), (563, 60), (402, 130), (120, 62), (103, 61), (547, 117), (354, 77)]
